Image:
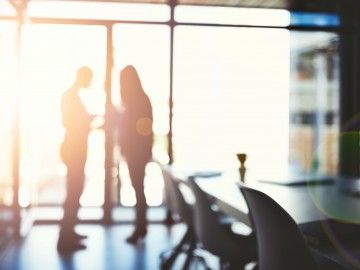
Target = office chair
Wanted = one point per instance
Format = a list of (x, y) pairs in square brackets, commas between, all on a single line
[(281, 246), (235, 251), (184, 211), (168, 197)]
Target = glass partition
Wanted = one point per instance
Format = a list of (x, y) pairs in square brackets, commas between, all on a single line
[(6, 9), (232, 15), (99, 10), (8, 71), (314, 102), (270, 93), (8, 77), (231, 95), (237, 90), (51, 55)]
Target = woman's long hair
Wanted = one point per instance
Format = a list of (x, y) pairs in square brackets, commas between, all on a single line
[(132, 93), (137, 135)]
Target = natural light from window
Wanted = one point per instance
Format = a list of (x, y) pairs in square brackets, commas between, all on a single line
[(231, 94)]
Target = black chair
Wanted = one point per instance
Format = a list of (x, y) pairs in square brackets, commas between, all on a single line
[(234, 250), (281, 245), (183, 210), (168, 197)]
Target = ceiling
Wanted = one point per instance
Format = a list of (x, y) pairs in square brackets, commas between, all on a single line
[(300, 5), (240, 3)]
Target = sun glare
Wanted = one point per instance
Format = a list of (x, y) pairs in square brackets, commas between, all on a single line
[(216, 85)]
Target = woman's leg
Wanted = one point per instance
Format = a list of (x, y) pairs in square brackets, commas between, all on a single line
[(137, 174)]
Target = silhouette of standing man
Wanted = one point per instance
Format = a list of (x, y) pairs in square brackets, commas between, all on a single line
[(76, 121)]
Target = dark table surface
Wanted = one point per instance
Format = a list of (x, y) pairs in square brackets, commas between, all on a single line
[(305, 203), (327, 214)]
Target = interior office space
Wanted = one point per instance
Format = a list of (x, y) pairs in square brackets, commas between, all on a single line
[(276, 80)]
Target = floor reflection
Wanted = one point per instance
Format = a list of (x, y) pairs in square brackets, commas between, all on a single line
[(106, 249)]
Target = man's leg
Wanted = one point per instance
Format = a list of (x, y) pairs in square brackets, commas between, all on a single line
[(74, 188)]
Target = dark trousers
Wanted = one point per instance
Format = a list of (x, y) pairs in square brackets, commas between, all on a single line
[(137, 174), (74, 189)]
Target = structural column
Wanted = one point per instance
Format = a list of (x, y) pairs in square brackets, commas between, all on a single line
[(20, 7), (109, 144), (349, 164), (172, 4)]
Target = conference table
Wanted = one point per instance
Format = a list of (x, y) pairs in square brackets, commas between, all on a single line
[(327, 213), (305, 203)]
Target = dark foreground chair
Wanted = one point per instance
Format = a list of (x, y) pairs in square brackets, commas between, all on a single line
[(184, 211), (281, 245), (169, 201), (234, 250)]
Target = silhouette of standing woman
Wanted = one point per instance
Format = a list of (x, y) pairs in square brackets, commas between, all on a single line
[(135, 139), (76, 121)]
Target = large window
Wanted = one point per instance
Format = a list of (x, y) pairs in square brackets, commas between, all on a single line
[(8, 87), (268, 92), (314, 102), (100, 10), (231, 93), (50, 56), (232, 15)]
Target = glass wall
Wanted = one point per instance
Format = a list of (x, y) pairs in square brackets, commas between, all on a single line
[(232, 15), (314, 102), (6, 9), (231, 95), (8, 71), (100, 10), (270, 93), (237, 90), (50, 57)]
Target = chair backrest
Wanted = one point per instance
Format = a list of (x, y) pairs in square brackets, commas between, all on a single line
[(168, 192), (176, 201), (281, 245), (207, 226)]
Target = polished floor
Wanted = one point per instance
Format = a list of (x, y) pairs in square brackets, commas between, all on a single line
[(106, 249)]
